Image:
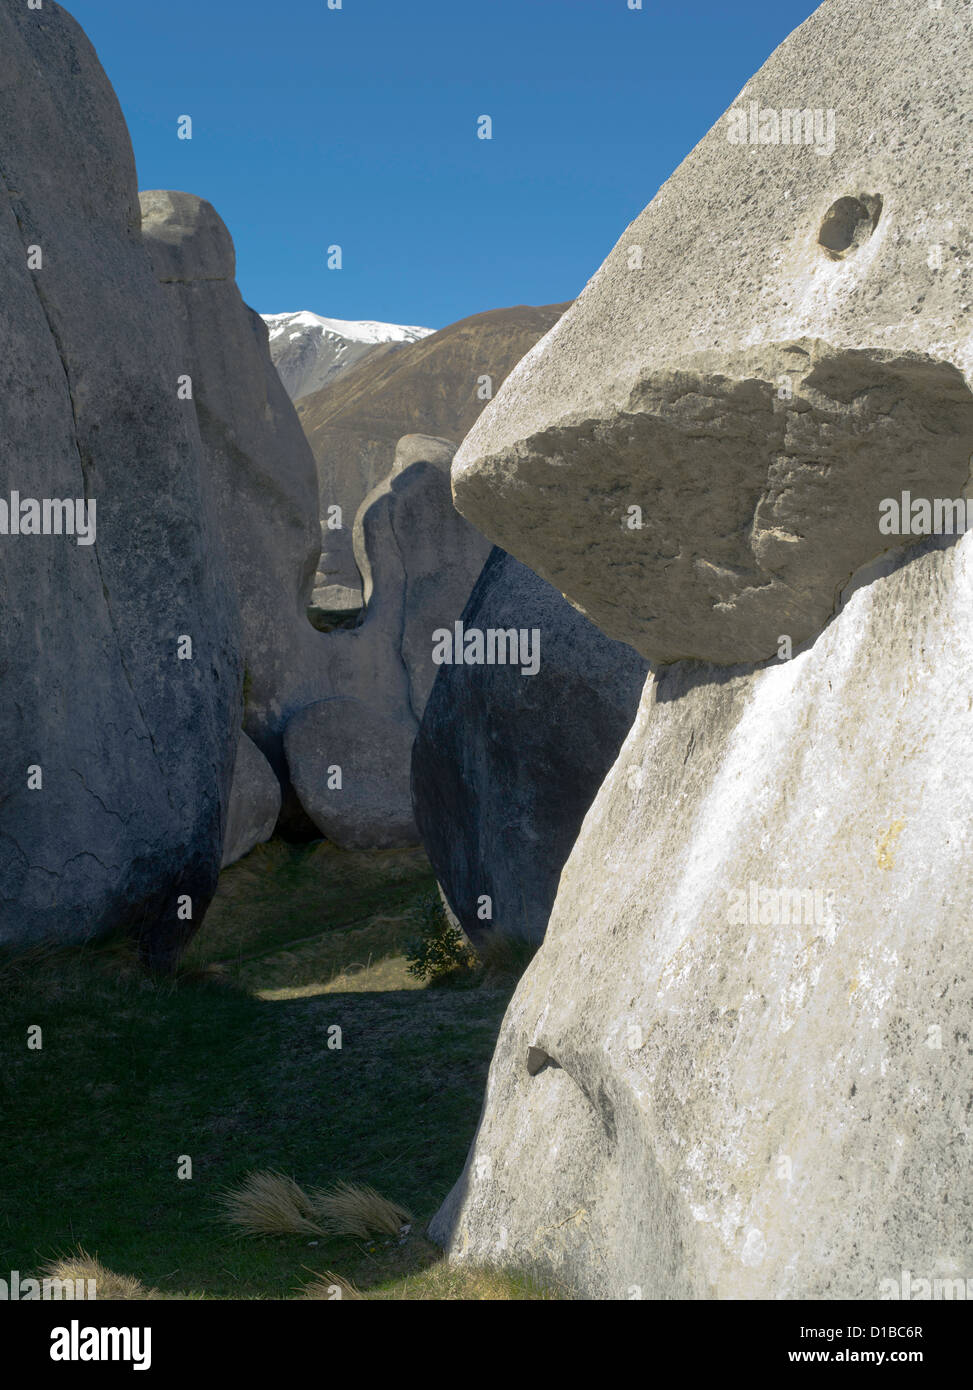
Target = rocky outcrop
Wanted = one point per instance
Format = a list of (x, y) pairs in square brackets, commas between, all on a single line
[(259, 466), (436, 387), (739, 1065), (419, 561), (506, 764), (701, 471), (119, 657), (254, 802)]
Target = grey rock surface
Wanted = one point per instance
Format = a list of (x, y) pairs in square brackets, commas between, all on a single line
[(804, 361), (739, 1065), (134, 745), (350, 765), (506, 765), (419, 561), (254, 802), (259, 465), (755, 988)]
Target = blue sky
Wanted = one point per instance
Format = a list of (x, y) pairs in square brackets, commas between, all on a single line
[(358, 127)]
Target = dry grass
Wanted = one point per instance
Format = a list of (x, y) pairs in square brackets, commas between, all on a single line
[(331, 1288), (354, 1209), (270, 1204), (108, 1284), (441, 1282)]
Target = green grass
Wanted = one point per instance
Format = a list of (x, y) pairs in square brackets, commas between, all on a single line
[(230, 1064)]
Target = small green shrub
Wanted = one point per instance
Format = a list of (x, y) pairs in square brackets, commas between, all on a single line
[(439, 952)]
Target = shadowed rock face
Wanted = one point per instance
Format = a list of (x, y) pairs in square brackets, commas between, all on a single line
[(761, 359), (739, 1065), (254, 802), (754, 511), (134, 746), (506, 764)]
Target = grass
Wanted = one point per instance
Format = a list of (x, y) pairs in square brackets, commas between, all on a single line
[(292, 1040)]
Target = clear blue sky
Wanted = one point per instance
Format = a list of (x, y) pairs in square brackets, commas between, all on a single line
[(358, 126)]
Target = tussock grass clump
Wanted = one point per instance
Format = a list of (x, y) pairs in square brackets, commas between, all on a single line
[(270, 1204), (331, 1288), (354, 1209), (108, 1284)]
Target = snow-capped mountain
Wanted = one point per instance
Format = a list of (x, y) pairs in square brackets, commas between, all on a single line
[(309, 351)]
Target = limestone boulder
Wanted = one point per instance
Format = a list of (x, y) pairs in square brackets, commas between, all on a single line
[(119, 659), (350, 765), (506, 764), (739, 1065), (418, 560), (259, 466), (700, 467), (254, 802)]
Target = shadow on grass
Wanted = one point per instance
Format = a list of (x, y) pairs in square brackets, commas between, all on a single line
[(310, 1051)]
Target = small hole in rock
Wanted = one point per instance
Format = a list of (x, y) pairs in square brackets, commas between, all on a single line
[(848, 224)]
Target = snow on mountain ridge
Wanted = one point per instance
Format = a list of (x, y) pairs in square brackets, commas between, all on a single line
[(354, 330), (310, 351)]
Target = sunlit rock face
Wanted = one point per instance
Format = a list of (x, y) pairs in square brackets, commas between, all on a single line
[(740, 1064), (769, 351)]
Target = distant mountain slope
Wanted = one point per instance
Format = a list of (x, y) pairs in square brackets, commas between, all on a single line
[(425, 387), (309, 351)]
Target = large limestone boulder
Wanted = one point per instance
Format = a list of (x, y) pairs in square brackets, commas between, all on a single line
[(804, 362), (739, 1064), (260, 467), (254, 802), (506, 764), (419, 561), (437, 386), (119, 669), (750, 1015)]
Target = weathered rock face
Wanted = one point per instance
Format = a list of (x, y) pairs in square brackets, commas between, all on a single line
[(419, 561), (134, 745), (801, 366), (254, 802), (755, 987), (739, 1065), (259, 465), (506, 765), (435, 386)]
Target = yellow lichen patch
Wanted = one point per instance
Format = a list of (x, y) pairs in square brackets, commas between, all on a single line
[(886, 842)]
